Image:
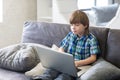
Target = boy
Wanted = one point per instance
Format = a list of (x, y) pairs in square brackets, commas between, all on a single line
[(79, 42)]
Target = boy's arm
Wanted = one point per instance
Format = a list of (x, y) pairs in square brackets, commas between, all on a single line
[(86, 61), (78, 63)]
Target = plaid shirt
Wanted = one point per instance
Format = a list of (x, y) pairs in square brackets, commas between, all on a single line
[(80, 47)]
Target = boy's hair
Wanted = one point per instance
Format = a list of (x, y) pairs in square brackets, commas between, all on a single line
[(80, 17)]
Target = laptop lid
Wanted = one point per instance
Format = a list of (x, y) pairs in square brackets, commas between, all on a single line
[(60, 61)]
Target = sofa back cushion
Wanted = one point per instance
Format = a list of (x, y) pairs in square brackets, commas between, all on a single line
[(113, 45), (44, 33), (52, 33), (101, 34)]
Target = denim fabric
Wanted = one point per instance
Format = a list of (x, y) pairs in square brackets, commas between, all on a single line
[(63, 77), (50, 74)]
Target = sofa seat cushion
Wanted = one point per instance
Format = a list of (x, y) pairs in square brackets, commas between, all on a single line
[(102, 70), (18, 57), (11, 75)]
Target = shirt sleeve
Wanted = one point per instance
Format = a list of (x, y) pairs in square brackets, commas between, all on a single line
[(94, 46), (64, 43)]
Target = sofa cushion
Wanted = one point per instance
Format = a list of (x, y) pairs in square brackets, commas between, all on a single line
[(113, 47), (52, 33), (101, 34), (102, 70), (44, 33), (12, 75), (105, 13), (18, 57)]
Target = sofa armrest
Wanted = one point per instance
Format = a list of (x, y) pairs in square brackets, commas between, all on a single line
[(102, 70)]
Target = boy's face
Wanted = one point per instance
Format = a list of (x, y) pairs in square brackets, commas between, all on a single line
[(78, 29)]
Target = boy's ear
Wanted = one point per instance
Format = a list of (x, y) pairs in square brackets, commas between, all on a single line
[(85, 26)]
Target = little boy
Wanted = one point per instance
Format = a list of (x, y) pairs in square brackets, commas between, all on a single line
[(79, 42)]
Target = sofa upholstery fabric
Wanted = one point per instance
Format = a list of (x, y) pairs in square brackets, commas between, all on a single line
[(18, 57), (105, 14), (12, 75), (44, 33), (101, 34), (113, 45), (52, 33)]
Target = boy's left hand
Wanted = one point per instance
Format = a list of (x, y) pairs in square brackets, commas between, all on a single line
[(87, 61), (77, 64)]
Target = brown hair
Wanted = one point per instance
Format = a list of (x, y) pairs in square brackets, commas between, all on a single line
[(80, 17)]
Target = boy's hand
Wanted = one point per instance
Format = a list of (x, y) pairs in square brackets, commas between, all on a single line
[(77, 64), (61, 49), (87, 61)]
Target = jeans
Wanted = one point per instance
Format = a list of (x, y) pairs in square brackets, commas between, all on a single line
[(51, 74)]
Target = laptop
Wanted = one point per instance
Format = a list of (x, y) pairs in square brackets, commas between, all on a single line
[(59, 61)]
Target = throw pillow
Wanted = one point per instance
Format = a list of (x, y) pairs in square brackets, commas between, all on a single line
[(54, 47), (102, 70), (105, 13), (18, 57)]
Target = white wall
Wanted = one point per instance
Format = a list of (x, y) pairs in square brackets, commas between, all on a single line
[(57, 11), (44, 10), (15, 13), (61, 10)]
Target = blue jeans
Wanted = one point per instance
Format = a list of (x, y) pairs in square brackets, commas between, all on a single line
[(50, 74)]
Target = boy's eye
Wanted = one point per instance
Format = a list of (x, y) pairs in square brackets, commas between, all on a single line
[(77, 25)]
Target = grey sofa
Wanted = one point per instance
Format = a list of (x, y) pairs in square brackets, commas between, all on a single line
[(100, 16), (107, 67)]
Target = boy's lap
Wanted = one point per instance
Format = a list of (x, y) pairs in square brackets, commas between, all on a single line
[(50, 74)]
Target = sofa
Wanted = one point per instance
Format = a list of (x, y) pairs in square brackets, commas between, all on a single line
[(107, 66), (101, 16), (115, 21)]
